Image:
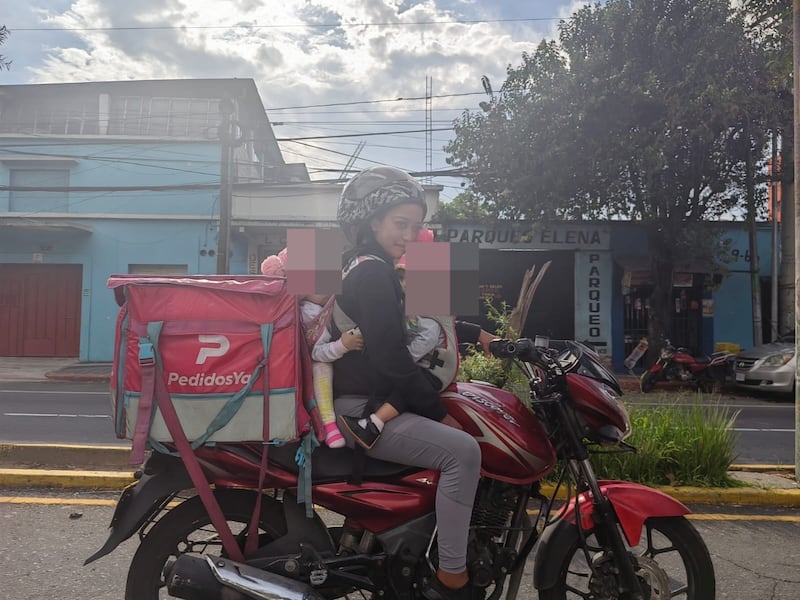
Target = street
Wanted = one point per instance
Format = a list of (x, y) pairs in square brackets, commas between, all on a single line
[(80, 413), (755, 554)]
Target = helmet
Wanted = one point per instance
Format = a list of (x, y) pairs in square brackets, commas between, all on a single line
[(373, 189)]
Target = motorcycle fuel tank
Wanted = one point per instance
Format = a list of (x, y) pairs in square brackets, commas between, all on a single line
[(514, 444)]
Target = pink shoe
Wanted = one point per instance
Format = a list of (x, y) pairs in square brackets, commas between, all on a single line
[(333, 437)]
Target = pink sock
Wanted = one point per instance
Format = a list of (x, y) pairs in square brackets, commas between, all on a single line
[(333, 437)]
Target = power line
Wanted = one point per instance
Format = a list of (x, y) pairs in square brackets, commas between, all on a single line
[(344, 135), (288, 25), (401, 99)]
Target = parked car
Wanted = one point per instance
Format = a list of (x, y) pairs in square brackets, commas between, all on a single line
[(769, 367)]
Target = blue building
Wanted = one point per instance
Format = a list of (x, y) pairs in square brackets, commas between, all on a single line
[(115, 177), (599, 281)]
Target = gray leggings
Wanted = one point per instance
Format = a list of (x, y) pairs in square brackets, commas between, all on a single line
[(421, 442)]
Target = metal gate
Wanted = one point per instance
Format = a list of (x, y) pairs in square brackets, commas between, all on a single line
[(40, 308)]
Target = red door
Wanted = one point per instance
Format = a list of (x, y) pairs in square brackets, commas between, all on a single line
[(40, 308)]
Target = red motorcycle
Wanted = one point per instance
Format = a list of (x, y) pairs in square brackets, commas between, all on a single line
[(610, 539), (679, 364)]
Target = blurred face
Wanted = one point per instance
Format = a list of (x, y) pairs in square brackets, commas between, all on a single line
[(398, 227)]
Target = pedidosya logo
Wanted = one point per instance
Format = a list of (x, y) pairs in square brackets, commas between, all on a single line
[(211, 346)]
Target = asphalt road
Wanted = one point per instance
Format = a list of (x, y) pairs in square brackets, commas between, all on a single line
[(80, 413), (755, 555)]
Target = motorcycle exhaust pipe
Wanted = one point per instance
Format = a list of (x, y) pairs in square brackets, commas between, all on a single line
[(195, 577)]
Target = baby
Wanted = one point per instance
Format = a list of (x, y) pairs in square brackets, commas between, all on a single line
[(323, 350)]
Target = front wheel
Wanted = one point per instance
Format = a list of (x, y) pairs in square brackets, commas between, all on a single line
[(671, 561), (187, 528), (648, 381)]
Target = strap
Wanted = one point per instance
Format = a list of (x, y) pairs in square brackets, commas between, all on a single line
[(147, 368), (314, 329), (266, 343), (193, 467), (304, 482), (251, 544)]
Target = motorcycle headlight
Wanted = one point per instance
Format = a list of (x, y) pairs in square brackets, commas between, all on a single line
[(778, 360), (667, 353)]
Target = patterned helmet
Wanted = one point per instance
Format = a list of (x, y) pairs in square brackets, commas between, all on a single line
[(373, 189)]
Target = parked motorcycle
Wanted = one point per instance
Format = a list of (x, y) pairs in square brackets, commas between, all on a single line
[(679, 364), (610, 539)]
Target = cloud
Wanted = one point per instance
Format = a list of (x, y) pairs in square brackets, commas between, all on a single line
[(299, 52)]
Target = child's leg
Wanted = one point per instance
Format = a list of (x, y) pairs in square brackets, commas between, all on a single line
[(367, 430), (385, 413), (323, 392)]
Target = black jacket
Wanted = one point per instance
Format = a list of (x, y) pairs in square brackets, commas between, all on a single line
[(373, 298)]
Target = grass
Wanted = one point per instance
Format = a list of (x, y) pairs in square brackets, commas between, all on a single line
[(678, 444)]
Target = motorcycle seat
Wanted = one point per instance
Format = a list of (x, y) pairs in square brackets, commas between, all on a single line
[(701, 360), (336, 464)]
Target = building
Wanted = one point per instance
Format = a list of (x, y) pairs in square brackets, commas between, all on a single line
[(598, 283), (114, 177)]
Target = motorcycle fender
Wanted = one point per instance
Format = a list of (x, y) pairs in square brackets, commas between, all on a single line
[(633, 504), (162, 476), (657, 367)]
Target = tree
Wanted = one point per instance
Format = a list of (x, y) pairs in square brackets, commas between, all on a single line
[(466, 206), (638, 111), (4, 33)]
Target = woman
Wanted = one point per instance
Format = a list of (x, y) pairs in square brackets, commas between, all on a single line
[(381, 210)]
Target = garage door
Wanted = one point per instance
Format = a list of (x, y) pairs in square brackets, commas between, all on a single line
[(40, 308)]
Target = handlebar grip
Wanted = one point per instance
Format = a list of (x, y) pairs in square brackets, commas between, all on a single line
[(503, 348)]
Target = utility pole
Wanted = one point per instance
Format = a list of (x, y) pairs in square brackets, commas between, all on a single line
[(755, 279), (796, 201), (225, 197), (774, 187)]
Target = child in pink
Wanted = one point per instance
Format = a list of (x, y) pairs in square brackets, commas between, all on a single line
[(323, 350)]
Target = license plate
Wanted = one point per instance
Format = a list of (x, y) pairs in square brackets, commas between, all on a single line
[(740, 377)]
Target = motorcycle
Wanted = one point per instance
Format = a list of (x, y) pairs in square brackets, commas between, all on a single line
[(607, 540), (679, 364)]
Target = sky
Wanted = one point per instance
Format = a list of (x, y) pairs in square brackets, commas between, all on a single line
[(364, 54)]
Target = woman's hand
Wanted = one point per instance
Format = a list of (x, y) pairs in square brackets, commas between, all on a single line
[(353, 340), (484, 338)]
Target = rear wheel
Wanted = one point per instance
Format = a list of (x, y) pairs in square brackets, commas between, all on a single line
[(671, 561), (648, 381), (187, 528)]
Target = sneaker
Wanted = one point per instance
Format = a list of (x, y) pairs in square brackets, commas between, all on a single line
[(365, 436), (436, 590)]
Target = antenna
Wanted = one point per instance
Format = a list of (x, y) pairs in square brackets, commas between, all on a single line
[(429, 127)]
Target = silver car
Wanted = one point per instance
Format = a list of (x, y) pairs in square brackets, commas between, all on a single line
[(769, 367)]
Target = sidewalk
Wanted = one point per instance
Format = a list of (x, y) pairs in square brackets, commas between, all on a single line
[(60, 369)]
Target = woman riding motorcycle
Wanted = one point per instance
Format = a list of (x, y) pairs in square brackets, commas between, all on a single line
[(380, 210)]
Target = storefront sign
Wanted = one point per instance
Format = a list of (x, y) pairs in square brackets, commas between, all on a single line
[(593, 271), (530, 237)]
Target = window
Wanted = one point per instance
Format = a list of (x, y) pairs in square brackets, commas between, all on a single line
[(39, 201), (161, 116), (51, 116)]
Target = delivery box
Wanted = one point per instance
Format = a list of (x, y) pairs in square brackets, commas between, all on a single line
[(226, 350)]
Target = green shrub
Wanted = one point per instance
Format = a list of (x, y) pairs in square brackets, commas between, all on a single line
[(677, 444), (478, 366)]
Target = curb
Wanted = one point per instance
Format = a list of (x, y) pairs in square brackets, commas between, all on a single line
[(108, 468), (116, 480), (85, 377), (66, 479), (65, 456)]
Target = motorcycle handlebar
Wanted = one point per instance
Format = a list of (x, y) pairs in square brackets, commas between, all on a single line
[(522, 348)]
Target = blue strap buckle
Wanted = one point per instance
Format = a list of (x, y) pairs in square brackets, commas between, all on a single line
[(146, 354)]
